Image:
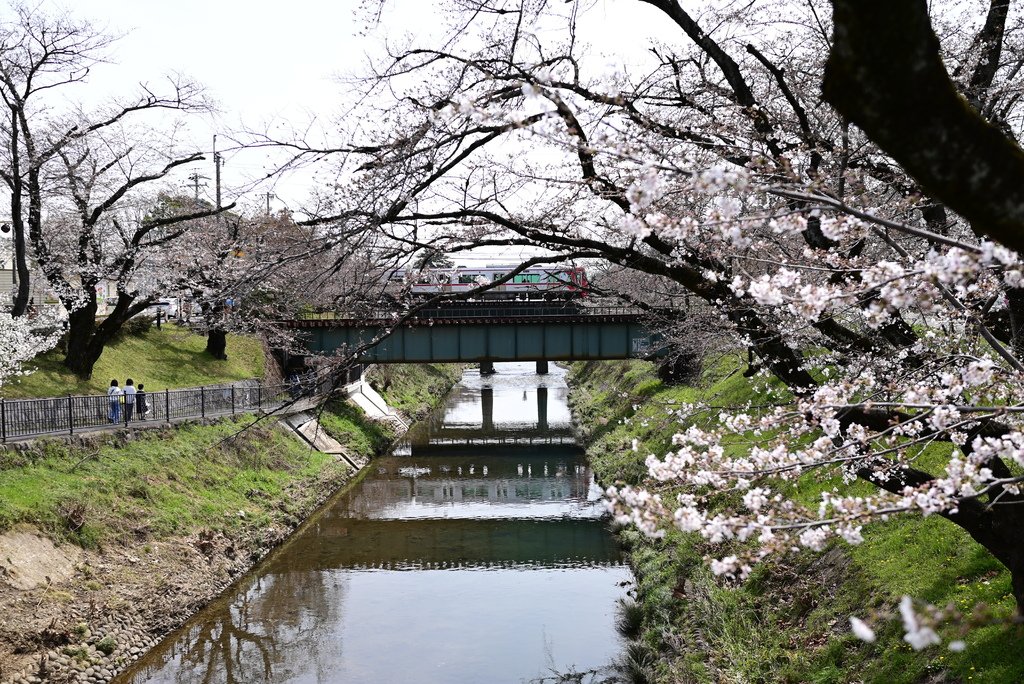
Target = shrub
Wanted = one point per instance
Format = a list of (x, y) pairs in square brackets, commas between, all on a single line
[(106, 645), (136, 327)]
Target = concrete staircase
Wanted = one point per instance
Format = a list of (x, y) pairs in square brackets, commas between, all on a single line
[(309, 430), (374, 406), (303, 422)]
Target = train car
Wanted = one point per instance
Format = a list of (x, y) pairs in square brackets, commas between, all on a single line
[(530, 284)]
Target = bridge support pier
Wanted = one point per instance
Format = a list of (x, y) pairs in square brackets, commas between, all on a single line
[(542, 368), (542, 408), (486, 368), (487, 406)]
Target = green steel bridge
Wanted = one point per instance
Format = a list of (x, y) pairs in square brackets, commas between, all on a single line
[(485, 335)]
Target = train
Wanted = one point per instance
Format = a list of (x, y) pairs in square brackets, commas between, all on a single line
[(534, 283)]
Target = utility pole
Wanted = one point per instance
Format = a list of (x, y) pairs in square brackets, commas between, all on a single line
[(269, 195), (195, 178), (218, 161)]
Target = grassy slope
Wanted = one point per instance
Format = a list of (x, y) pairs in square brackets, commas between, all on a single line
[(414, 388), (347, 424), (167, 358), (790, 621), (179, 481), (162, 483)]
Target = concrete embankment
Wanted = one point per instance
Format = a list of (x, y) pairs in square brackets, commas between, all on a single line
[(109, 541)]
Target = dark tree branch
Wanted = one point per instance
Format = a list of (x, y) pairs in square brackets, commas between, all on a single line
[(886, 75)]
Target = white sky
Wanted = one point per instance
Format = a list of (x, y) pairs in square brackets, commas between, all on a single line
[(262, 62), (277, 62)]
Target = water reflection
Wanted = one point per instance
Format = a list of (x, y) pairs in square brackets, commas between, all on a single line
[(255, 635), (454, 560), (476, 486)]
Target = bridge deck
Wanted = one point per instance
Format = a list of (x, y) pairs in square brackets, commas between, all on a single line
[(561, 337), (589, 319)]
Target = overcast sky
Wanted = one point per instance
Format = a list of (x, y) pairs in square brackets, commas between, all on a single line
[(264, 63), (276, 63)]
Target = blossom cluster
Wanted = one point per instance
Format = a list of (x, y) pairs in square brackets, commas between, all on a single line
[(22, 338)]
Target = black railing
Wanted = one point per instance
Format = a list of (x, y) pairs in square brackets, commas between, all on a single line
[(20, 418), (525, 310)]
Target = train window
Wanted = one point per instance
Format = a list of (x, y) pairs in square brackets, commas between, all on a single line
[(467, 278), (527, 278)]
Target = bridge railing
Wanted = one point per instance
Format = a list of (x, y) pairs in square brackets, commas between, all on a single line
[(22, 418), (500, 311)]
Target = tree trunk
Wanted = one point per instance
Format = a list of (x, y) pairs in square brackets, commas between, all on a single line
[(21, 295), (87, 339), (886, 75), (996, 526), (82, 352), (217, 344), (998, 529), (1017, 582), (1015, 307), (680, 369)]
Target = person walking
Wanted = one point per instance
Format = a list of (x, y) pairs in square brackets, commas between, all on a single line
[(114, 396), (129, 400), (140, 402)]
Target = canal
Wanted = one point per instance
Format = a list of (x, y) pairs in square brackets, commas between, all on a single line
[(475, 552)]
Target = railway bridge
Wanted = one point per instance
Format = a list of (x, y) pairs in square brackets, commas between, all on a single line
[(485, 334)]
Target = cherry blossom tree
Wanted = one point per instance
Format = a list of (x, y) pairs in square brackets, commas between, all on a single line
[(251, 273), (23, 338), (79, 180), (863, 248)]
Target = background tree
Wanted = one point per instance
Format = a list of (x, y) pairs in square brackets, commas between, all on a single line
[(239, 273), (76, 178), (431, 258)]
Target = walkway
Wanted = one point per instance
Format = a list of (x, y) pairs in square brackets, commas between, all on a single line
[(28, 418)]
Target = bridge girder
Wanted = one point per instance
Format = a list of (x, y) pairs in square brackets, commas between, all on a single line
[(578, 338)]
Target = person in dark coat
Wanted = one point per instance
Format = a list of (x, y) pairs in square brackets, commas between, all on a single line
[(141, 403)]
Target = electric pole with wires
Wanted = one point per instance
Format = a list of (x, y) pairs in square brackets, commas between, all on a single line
[(195, 177)]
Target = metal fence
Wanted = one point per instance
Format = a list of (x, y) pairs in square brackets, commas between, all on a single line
[(21, 418)]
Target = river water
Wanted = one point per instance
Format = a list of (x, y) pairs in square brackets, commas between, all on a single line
[(474, 553)]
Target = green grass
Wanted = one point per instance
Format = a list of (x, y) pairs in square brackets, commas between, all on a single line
[(168, 358), (174, 481), (163, 483), (414, 389), (350, 427), (789, 622)]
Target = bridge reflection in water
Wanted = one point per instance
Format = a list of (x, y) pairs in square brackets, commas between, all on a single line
[(460, 562), (461, 543)]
